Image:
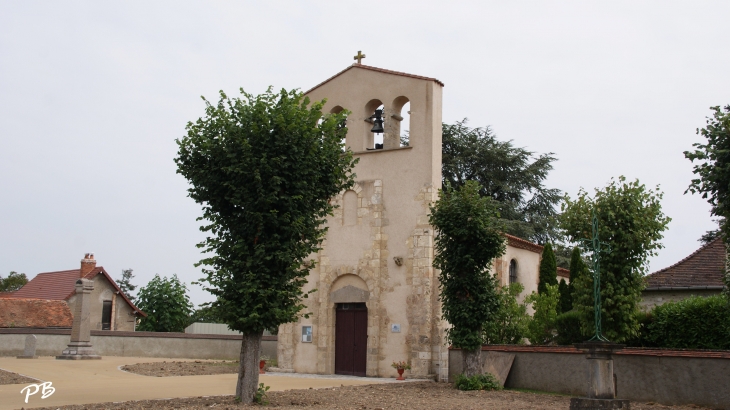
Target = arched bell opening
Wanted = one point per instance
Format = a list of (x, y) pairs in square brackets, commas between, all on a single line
[(397, 134), (374, 110), (336, 110)]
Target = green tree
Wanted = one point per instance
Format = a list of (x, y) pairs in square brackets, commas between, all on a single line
[(166, 303), (467, 241), (713, 172), (264, 169), (631, 221), (548, 269), (125, 283), (13, 282), (510, 175), (509, 324), (205, 314), (565, 304), (541, 329), (713, 164), (578, 269)]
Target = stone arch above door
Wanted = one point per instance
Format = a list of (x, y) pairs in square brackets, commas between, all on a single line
[(349, 289)]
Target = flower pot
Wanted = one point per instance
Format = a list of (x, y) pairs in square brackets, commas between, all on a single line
[(262, 363), (400, 374)]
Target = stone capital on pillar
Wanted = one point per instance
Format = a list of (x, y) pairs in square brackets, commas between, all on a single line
[(80, 346)]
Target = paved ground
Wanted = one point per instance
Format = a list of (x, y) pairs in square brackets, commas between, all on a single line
[(94, 381)]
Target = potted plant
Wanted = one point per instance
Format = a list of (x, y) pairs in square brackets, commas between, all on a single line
[(262, 364), (400, 367)]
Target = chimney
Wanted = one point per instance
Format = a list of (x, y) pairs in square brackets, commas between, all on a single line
[(87, 264)]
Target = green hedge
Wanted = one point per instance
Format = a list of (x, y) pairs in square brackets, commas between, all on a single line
[(693, 323), (568, 327), (643, 339)]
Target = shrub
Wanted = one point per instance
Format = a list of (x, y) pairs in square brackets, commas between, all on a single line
[(568, 327), (509, 324), (692, 323), (485, 381), (542, 325), (643, 339)]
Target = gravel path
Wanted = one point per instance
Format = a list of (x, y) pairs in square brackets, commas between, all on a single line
[(417, 395), (398, 395)]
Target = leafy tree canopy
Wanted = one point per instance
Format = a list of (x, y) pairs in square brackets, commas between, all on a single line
[(631, 221), (467, 241), (712, 166), (264, 169), (510, 175), (13, 282), (166, 303)]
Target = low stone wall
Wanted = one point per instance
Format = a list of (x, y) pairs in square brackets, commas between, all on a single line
[(51, 342), (663, 376)]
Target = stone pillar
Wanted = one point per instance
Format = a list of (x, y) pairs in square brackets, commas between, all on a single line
[(80, 347), (601, 383), (30, 345)]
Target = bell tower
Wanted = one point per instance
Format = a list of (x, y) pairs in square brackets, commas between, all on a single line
[(378, 253)]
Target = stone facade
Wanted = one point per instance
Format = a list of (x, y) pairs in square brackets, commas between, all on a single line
[(379, 246), (123, 317)]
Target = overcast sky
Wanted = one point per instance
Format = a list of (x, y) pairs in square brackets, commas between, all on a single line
[(94, 94)]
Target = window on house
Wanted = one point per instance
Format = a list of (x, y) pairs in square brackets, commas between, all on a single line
[(106, 315), (512, 271)]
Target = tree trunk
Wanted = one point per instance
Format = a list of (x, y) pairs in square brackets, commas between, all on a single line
[(248, 369), (472, 362)]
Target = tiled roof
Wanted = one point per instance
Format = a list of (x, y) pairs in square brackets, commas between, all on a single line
[(52, 285), (703, 268), (380, 70), (15, 312), (520, 243), (562, 272), (61, 285)]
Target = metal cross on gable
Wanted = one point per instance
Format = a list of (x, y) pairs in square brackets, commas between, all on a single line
[(359, 57), (594, 245)]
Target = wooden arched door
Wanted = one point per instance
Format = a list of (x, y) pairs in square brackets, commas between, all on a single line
[(351, 338)]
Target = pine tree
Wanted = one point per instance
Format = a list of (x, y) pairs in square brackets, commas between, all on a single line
[(578, 269), (125, 283), (566, 300), (548, 269)]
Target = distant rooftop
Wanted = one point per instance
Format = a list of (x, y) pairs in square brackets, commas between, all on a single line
[(702, 269), (15, 312)]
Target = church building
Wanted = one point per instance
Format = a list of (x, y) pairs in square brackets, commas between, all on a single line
[(377, 294)]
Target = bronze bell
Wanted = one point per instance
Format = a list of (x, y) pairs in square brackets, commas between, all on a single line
[(377, 122)]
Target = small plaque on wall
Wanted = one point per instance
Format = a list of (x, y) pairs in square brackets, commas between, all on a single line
[(395, 328), (307, 334)]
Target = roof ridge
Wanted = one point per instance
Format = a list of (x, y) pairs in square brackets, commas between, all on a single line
[(372, 68), (688, 257)]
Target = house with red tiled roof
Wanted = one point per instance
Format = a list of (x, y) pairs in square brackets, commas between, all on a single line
[(700, 274), (15, 312), (111, 309)]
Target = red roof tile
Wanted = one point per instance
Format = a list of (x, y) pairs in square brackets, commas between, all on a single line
[(380, 70), (15, 312), (562, 272), (523, 243), (703, 268), (50, 285), (61, 285)]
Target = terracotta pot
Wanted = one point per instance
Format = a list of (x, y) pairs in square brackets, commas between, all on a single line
[(262, 363), (400, 374)]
